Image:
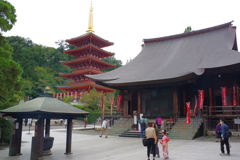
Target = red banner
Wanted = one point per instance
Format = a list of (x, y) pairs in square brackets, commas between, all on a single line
[(80, 95), (102, 103), (188, 116), (71, 94), (200, 98), (75, 95), (60, 96), (64, 95), (234, 96), (119, 101), (67, 93), (195, 107), (224, 96), (57, 95), (111, 105)]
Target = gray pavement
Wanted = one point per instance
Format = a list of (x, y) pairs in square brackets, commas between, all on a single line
[(87, 145)]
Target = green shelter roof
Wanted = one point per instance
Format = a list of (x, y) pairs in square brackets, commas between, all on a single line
[(45, 107)]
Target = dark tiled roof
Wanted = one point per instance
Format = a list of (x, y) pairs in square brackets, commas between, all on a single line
[(177, 57), (46, 105)]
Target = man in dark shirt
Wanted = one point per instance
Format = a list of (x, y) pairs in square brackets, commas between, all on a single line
[(224, 138), (143, 128)]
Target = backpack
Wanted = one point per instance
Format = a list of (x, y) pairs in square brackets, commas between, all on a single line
[(229, 134)]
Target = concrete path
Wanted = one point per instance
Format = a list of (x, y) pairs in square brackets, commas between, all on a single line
[(88, 146)]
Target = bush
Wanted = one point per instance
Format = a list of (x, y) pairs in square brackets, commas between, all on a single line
[(93, 115), (6, 128)]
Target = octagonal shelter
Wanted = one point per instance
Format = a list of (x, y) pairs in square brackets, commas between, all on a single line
[(42, 108)]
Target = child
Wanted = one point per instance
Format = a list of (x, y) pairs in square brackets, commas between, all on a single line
[(164, 143)]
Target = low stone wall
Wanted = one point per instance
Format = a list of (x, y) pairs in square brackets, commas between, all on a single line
[(212, 133)]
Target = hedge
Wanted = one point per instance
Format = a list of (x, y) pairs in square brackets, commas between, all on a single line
[(93, 115), (6, 128)]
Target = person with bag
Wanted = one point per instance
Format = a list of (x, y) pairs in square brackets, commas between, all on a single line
[(143, 128), (224, 138), (151, 140), (218, 131), (104, 128), (156, 145), (164, 143)]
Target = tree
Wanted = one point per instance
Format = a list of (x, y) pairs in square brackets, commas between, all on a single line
[(188, 29), (112, 60), (10, 71)]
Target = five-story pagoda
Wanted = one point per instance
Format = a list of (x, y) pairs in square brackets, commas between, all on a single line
[(88, 60)]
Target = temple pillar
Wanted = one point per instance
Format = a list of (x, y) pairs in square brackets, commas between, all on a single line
[(175, 100), (184, 102), (47, 128), (69, 136), (139, 104), (210, 96)]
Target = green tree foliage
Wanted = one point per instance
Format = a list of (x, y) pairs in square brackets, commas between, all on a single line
[(188, 29), (93, 100), (112, 60), (6, 128), (41, 65), (10, 71)]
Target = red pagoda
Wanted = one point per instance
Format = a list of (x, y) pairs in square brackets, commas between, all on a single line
[(88, 60)]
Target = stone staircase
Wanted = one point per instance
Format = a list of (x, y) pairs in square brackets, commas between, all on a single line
[(121, 125), (135, 134), (182, 131)]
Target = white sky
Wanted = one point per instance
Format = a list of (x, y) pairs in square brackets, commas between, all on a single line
[(124, 22)]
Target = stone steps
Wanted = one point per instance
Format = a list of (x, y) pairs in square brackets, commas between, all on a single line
[(182, 131)]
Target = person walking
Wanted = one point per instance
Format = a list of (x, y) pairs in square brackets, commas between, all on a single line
[(65, 123), (224, 138), (156, 145), (218, 131), (164, 143), (159, 122), (143, 128), (104, 128), (85, 122), (151, 140)]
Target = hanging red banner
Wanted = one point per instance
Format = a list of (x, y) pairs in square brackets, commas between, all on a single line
[(119, 101), (188, 116), (67, 93), (64, 95), (224, 96), (80, 95), (71, 94), (57, 95), (234, 96), (111, 105), (75, 95), (200, 98), (195, 107), (60, 96), (53, 95)]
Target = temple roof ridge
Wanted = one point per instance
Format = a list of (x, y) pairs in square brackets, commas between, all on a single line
[(209, 29)]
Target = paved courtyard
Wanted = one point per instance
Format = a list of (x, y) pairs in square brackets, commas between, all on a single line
[(87, 146)]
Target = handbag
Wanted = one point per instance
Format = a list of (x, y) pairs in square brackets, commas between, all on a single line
[(144, 142)]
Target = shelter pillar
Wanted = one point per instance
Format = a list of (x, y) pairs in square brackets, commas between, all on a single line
[(37, 141), (16, 138), (139, 104), (69, 136), (47, 128)]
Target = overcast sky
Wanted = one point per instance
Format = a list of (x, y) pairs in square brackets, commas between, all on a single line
[(124, 22)]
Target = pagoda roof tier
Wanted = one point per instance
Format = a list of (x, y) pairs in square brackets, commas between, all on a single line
[(177, 58), (80, 72), (85, 86), (89, 38), (91, 49), (89, 59)]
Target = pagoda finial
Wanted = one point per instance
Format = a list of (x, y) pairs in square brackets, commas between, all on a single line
[(90, 21)]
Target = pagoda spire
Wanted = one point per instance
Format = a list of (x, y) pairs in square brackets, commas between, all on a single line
[(90, 21)]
